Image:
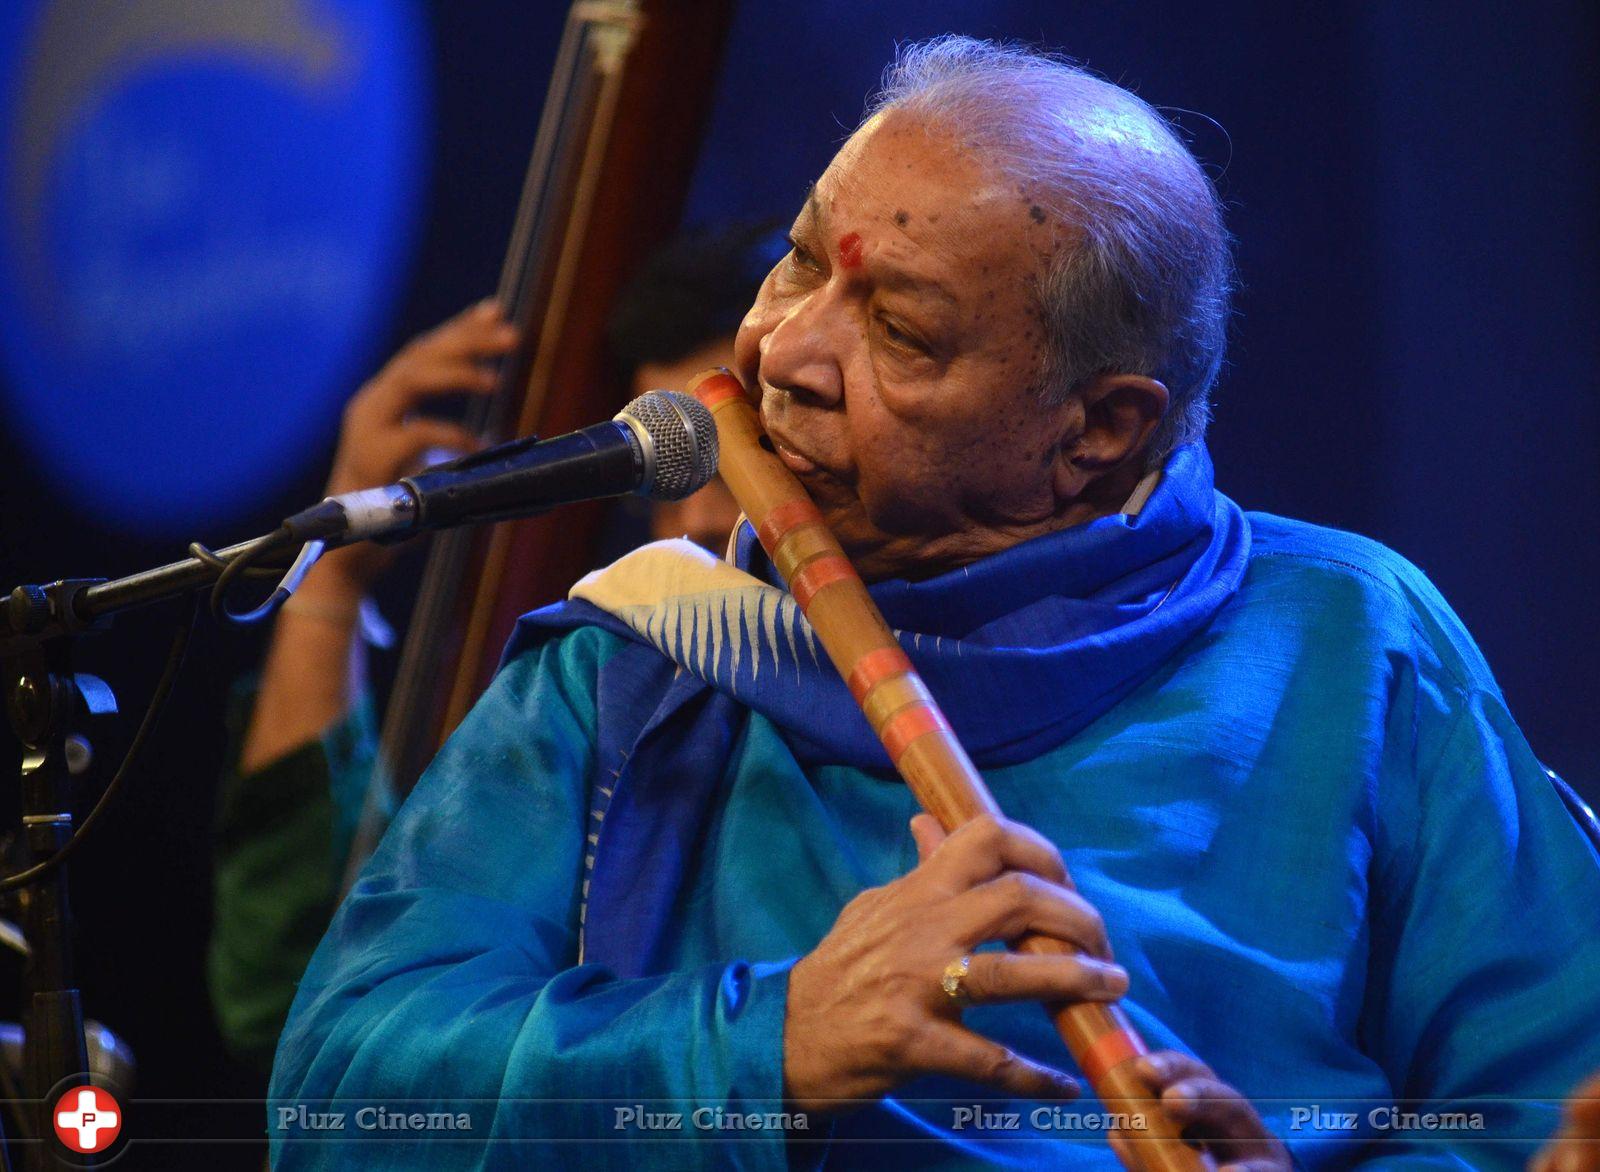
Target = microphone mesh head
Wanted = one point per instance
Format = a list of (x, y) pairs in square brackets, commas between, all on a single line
[(679, 440)]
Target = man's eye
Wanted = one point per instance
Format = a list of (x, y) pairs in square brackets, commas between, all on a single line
[(899, 337), (802, 256)]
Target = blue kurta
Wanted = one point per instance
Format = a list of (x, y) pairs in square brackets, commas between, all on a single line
[(1324, 852)]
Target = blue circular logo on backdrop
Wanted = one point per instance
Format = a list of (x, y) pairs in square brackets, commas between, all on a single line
[(206, 210)]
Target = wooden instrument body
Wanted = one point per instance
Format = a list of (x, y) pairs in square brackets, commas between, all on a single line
[(605, 183)]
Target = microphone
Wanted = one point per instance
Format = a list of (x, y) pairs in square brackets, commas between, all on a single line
[(662, 445)]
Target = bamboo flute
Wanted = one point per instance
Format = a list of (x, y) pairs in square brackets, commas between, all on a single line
[(916, 734)]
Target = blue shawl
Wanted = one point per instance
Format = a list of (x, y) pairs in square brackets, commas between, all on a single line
[(1022, 650)]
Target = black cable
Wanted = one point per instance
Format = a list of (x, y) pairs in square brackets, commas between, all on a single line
[(210, 557), (158, 699), (238, 567)]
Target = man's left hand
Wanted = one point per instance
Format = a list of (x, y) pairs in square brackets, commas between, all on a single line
[(1212, 1114), (1576, 1147)]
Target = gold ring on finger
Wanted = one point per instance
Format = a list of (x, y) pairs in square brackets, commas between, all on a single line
[(953, 982)]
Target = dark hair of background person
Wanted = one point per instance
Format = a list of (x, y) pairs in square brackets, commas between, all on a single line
[(692, 291)]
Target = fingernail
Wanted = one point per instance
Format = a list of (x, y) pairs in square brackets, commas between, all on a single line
[(1068, 1087), (488, 307), (1113, 978)]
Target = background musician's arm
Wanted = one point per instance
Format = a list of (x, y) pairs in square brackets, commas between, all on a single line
[(312, 672), (287, 808)]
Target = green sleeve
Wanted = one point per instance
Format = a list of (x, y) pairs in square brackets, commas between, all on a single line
[(282, 834)]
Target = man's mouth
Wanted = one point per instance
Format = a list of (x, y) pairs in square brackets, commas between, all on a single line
[(798, 462)]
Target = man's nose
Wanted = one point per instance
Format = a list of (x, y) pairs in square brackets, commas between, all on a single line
[(799, 356)]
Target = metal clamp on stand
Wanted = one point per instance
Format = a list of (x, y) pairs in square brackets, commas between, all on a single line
[(45, 703)]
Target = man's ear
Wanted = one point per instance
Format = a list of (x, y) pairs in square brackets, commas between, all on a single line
[(1113, 417)]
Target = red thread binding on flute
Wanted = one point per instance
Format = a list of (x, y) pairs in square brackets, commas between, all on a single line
[(783, 518), (824, 571), (718, 389), (907, 725), (1109, 1051), (874, 667)]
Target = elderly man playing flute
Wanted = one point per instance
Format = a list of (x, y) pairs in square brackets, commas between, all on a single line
[(662, 901)]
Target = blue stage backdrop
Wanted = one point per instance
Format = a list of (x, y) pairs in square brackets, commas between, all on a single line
[(206, 214)]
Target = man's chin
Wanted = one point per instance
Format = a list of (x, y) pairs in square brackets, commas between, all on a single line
[(876, 552)]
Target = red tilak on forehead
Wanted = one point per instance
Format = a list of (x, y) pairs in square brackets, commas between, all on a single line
[(850, 250)]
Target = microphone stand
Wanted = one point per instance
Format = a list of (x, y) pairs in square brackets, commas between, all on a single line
[(45, 701), (45, 697)]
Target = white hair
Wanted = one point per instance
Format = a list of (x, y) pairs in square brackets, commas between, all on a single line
[(1144, 289)]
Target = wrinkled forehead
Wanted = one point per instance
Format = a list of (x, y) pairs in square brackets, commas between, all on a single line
[(922, 185), (896, 156)]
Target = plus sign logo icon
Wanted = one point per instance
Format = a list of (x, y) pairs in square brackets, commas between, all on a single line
[(87, 1119)]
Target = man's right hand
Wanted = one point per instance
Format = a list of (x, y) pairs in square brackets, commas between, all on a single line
[(382, 438), (866, 1011)]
